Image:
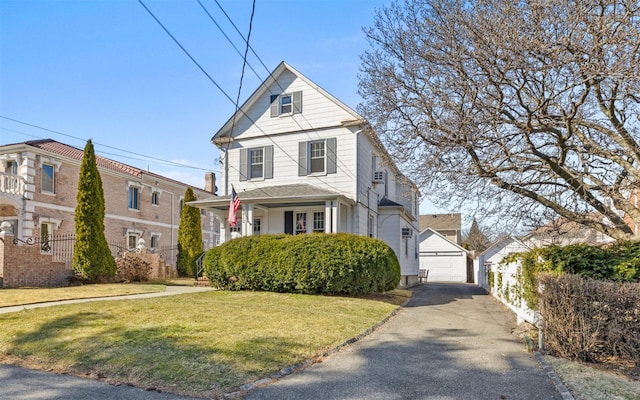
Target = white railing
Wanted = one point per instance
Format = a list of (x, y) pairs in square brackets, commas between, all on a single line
[(12, 184)]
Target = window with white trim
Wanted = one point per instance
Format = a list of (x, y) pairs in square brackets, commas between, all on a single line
[(286, 104), (301, 223), (237, 228), (132, 240), (155, 198), (12, 167), (317, 157), (316, 151), (256, 160), (48, 178), (318, 221), (134, 198), (154, 241)]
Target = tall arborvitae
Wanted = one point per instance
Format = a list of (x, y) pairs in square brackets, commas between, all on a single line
[(189, 236), (92, 258)]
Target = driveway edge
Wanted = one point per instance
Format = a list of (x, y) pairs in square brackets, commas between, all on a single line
[(298, 367), (551, 373)]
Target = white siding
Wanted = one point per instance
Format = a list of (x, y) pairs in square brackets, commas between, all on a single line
[(445, 261)]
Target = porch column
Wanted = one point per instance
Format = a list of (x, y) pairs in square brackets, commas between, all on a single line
[(247, 223), (328, 216), (335, 215)]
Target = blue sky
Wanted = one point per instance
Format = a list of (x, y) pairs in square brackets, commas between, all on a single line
[(106, 70)]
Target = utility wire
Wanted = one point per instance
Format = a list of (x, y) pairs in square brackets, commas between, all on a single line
[(146, 157)]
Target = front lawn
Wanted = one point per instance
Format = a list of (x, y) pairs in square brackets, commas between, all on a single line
[(202, 344)]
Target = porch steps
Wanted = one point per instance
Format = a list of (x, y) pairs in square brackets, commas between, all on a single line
[(201, 281)]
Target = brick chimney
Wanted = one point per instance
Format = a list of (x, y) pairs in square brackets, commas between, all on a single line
[(210, 182)]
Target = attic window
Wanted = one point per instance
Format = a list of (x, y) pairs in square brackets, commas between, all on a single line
[(286, 104)]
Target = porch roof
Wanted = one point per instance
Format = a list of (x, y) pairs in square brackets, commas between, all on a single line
[(275, 196)]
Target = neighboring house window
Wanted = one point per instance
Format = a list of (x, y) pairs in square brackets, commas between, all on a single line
[(301, 223), (286, 104), (134, 196), (46, 234), (12, 167), (132, 241), (318, 221), (203, 212), (317, 157), (256, 163), (48, 176), (154, 241), (155, 198), (257, 226)]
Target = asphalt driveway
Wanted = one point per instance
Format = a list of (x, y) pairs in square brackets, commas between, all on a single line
[(452, 341)]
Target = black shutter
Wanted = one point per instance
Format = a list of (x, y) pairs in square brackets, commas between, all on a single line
[(288, 222)]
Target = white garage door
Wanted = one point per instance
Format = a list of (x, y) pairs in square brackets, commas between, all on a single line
[(444, 268)]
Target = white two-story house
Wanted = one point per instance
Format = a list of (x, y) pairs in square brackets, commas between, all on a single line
[(301, 161)]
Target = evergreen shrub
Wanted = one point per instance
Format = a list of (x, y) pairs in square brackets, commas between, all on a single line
[(618, 262), (312, 264)]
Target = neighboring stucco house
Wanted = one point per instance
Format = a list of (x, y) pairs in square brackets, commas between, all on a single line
[(448, 225), (301, 161), (38, 188), (444, 260)]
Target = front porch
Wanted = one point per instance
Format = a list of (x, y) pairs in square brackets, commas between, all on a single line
[(290, 209)]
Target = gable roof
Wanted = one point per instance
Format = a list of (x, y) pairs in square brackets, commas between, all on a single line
[(441, 222), (224, 132), (432, 232)]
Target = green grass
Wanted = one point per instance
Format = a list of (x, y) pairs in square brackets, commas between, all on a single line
[(202, 344), (14, 297)]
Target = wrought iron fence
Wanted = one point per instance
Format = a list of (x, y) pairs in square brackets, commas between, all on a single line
[(60, 247)]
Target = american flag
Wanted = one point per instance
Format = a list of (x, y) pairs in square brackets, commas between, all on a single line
[(234, 206)]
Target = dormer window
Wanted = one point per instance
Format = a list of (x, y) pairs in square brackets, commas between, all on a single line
[(286, 104)]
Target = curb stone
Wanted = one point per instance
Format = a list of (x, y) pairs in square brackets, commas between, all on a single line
[(548, 369)]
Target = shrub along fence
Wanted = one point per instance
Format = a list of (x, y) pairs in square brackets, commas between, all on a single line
[(312, 264), (586, 299)]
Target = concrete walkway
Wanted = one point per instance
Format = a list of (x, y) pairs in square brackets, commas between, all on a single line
[(452, 341), (170, 290)]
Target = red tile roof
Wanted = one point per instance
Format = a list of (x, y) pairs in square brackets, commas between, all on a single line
[(72, 152)]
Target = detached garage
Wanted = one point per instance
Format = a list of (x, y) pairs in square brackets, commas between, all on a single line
[(442, 260)]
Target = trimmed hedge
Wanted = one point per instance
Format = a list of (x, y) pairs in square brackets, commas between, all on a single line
[(618, 262), (312, 264)]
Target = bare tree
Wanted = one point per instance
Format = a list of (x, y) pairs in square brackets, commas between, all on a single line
[(475, 238), (523, 107)]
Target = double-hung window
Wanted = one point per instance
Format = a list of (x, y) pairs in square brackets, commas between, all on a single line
[(318, 221), (256, 163), (155, 198), (317, 157)]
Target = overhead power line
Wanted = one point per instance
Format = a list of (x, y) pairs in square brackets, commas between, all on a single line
[(145, 157)]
